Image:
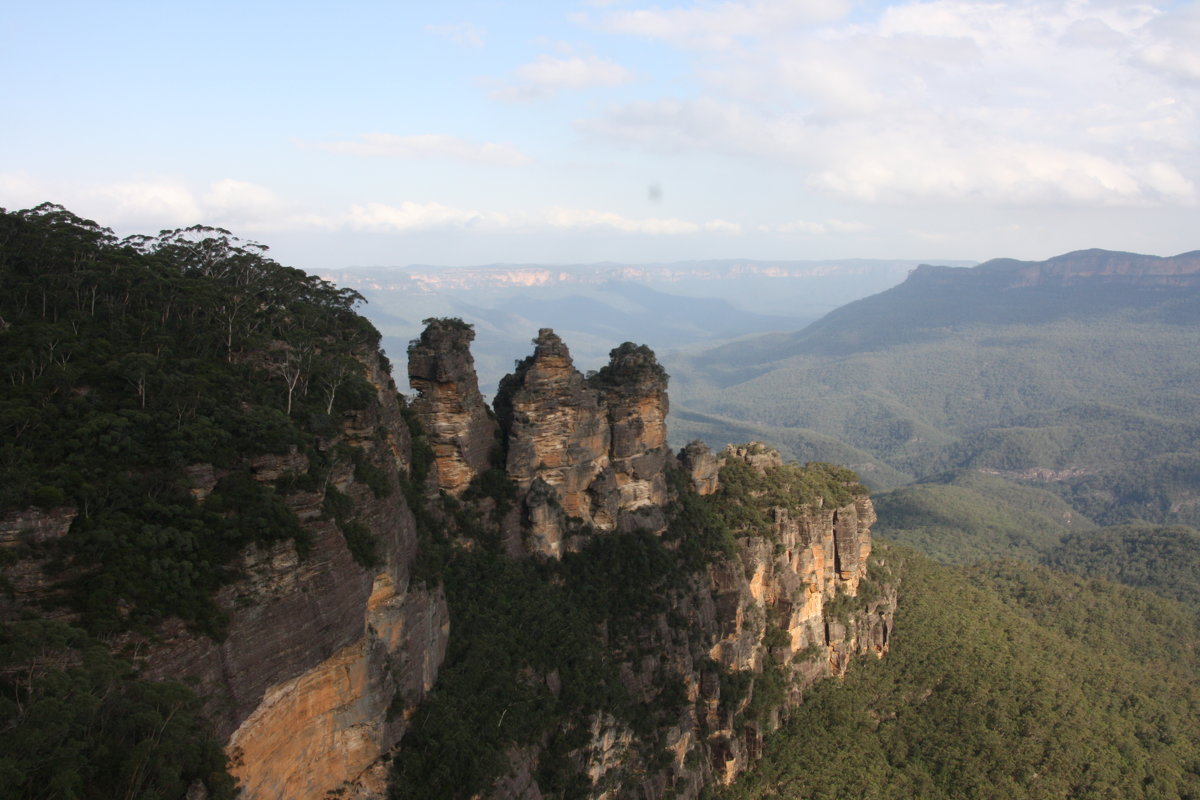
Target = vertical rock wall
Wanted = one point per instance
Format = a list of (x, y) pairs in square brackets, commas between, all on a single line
[(324, 658), (457, 424), (585, 451)]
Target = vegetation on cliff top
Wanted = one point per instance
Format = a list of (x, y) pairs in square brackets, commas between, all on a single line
[(540, 647), (77, 724), (629, 365), (1003, 681), (125, 361)]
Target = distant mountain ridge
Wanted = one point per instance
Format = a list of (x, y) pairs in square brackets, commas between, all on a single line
[(935, 300), (1080, 267), (418, 277), (1080, 369), (599, 305)]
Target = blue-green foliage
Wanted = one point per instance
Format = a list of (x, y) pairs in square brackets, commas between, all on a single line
[(77, 724), (125, 361), (1008, 681)]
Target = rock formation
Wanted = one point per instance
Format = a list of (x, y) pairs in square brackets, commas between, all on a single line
[(557, 433), (701, 466), (326, 661), (586, 449), (588, 458), (459, 428), (634, 388)]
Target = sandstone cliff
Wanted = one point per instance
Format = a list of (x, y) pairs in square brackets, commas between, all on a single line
[(455, 418), (323, 655), (754, 582), (599, 619)]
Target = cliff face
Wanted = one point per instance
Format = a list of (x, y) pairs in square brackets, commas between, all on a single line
[(790, 605), (323, 657), (704, 593), (785, 601), (452, 412), (590, 450), (323, 654)]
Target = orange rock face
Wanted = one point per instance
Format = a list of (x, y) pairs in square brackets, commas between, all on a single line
[(323, 729), (453, 413), (600, 443)]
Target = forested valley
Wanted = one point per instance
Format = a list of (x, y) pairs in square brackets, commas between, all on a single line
[(1035, 476)]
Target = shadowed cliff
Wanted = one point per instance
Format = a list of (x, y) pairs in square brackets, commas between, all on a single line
[(219, 508)]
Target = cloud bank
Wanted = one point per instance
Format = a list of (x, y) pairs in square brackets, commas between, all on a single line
[(1058, 102)]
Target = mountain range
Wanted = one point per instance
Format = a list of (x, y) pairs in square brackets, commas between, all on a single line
[(597, 306)]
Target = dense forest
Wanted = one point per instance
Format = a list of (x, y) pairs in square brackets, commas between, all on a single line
[(123, 362), (1004, 681)]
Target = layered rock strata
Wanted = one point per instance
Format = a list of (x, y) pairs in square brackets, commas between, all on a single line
[(457, 423), (326, 661), (585, 451)]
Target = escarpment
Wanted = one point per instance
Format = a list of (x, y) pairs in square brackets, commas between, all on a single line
[(704, 593), (586, 449), (541, 602), (455, 418)]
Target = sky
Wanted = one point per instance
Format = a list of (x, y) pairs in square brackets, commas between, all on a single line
[(458, 133)]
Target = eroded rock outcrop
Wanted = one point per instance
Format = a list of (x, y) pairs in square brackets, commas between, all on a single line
[(598, 443), (784, 600), (456, 420), (328, 656), (702, 467), (633, 387), (556, 427), (323, 655)]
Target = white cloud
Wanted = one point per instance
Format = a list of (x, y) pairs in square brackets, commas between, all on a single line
[(1070, 102), (167, 202), (387, 145), (572, 218), (230, 199), (815, 228), (148, 204), (19, 190), (1171, 46), (466, 34), (720, 25), (411, 216), (549, 75), (722, 226)]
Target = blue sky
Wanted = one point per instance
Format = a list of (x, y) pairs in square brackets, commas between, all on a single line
[(479, 132)]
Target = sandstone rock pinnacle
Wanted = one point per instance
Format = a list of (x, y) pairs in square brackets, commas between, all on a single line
[(451, 409)]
